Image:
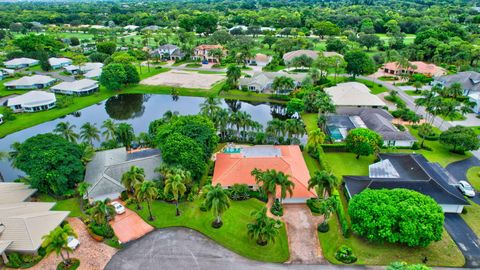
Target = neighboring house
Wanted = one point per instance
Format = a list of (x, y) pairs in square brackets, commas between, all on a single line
[(202, 52), (470, 82), (234, 166), (331, 54), (263, 81), (81, 69), (23, 62), (417, 67), (23, 224), (104, 172), (243, 28), (32, 101), (152, 28), (30, 82), (81, 87), (377, 120), (288, 57), (57, 63), (259, 59), (93, 74), (5, 73), (353, 94), (169, 52), (410, 171), (131, 27)]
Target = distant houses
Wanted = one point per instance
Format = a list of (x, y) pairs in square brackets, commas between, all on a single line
[(32, 101), (469, 82), (415, 67), (18, 63), (57, 63), (81, 87), (168, 52), (204, 53), (378, 120), (353, 94), (30, 82), (259, 59), (289, 56), (6, 72), (85, 69), (262, 82)]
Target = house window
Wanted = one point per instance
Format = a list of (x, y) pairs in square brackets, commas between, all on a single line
[(251, 88)]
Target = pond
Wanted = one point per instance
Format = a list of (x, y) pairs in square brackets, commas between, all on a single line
[(138, 110)]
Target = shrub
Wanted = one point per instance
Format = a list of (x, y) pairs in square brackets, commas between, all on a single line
[(14, 260), (74, 263), (342, 219), (314, 205), (277, 208), (239, 192), (113, 242), (104, 230), (124, 195), (323, 227), (345, 254), (203, 208), (415, 146)]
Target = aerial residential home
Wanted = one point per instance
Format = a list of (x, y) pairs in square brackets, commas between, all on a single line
[(131, 27), (262, 82), (288, 57), (259, 59), (81, 87), (84, 68), (30, 82), (93, 74), (168, 52), (152, 28), (416, 67), (6, 72), (410, 171), (32, 101), (23, 62), (378, 120), (469, 81), (234, 166), (202, 53), (22, 223), (57, 63), (353, 94)]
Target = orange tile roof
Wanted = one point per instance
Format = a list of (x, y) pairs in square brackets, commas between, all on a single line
[(233, 169), (421, 67), (209, 47)]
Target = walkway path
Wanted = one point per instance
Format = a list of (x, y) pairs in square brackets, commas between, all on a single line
[(302, 235)]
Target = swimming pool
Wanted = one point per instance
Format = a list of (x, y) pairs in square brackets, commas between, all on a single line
[(335, 133)]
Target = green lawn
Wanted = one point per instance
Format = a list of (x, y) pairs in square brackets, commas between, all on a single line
[(374, 88), (472, 217), (233, 233), (145, 73), (473, 176), (72, 204), (310, 121), (454, 117), (413, 93), (346, 164)]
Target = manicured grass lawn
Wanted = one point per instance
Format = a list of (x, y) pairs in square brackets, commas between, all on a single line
[(413, 93), (473, 176), (472, 217), (72, 204), (454, 117), (144, 73), (346, 164), (374, 88), (310, 121), (233, 233)]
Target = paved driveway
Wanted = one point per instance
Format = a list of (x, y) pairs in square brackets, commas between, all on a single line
[(459, 170), (186, 249), (129, 226), (465, 238)]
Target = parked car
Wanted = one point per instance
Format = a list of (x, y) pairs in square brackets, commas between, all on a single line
[(119, 209), (466, 189), (72, 242)]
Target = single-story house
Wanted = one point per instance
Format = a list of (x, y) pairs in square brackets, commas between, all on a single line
[(131, 27), (152, 28), (353, 94), (470, 83), (289, 56), (57, 63), (410, 171), (104, 172), (81, 87), (30, 82), (202, 52), (263, 81), (169, 52), (378, 120), (23, 62), (23, 224), (81, 69), (234, 166), (93, 74), (416, 67), (6, 72), (259, 59), (32, 101)]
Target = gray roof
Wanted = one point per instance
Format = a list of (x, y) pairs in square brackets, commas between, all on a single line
[(377, 120), (263, 79), (415, 173), (469, 80), (261, 151), (105, 171)]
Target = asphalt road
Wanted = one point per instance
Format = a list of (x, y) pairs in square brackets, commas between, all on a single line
[(465, 239), (459, 170)]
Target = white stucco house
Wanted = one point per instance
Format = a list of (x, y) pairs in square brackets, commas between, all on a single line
[(57, 63), (32, 101), (30, 82), (81, 87), (23, 62)]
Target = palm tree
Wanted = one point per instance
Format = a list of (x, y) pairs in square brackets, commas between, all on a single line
[(102, 211), (82, 190), (57, 240), (424, 130), (264, 229), (286, 186), (65, 129), (210, 107), (327, 207), (283, 84), (315, 138), (125, 135), (175, 185), (417, 85), (217, 201), (221, 120), (233, 74), (217, 54), (323, 181), (89, 133), (88, 153), (12, 155), (109, 129), (131, 178), (146, 192), (265, 181)]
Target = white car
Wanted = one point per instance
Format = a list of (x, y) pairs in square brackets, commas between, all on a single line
[(466, 189), (72, 242), (119, 209)]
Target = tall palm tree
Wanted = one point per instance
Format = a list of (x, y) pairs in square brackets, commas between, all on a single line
[(323, 181), (286, 186), (102, 211), (265, 181), (210, 107), (131, 178), (65, 129), (221, 120), (264, 229), (146, 192), (233, 74), (175, 185), (82, 190), (57, 240), (89, 132), (283, 84), (109, 128), (315, 138), (125, 134), (12, 155), (217, 201)]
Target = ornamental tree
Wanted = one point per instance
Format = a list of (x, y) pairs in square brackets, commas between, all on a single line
[(52, 163), (113, 76), (396, 216), (359, 63), (363, 141), (461, 138)]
